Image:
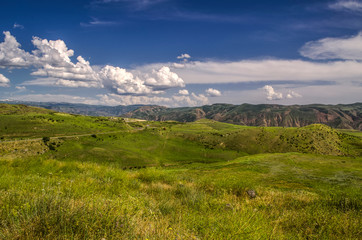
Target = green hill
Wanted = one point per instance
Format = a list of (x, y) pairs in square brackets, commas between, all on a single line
[(65, 176), (11, 109), (119, 141), (21, 121)]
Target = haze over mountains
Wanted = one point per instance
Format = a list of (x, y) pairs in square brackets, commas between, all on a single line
[(345, 116)]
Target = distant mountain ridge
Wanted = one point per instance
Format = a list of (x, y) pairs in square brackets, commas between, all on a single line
[(346, 116), (82, 109)]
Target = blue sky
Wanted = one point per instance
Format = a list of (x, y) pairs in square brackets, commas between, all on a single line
[(181, 52)]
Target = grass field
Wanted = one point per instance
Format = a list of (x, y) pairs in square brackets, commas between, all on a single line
[(169, 180)]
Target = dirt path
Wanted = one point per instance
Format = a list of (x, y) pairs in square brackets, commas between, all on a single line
[(57, 137)]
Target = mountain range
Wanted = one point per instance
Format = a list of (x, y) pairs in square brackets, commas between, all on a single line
[(344, 116), (82, 109)]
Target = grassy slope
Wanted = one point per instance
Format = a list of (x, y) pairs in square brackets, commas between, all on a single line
[(193, 187), (298, 196), (30, 122)]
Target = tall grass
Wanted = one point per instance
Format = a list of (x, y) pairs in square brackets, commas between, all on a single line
[(55, 199)]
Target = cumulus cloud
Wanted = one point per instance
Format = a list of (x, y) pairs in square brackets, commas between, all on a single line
[(213, 92), (11, 55), (122, 82), (184, 56), (4, 81), (183, 92), (348, 5), (271, 94), (53, 66), (68, 73), (55, 53), (163, 79), (349, 48)]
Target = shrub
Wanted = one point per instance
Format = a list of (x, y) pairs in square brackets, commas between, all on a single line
[(46, 139)]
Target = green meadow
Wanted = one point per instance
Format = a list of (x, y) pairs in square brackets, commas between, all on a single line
[(66, 176)]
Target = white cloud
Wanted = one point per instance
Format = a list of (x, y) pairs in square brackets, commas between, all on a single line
[(75, 84), (213, 92), (53, 57), (18, 26), (46, 81), (270, 70), (96, 22), (122, 82), (183, 92), (164, 78), (332, 94), (349, 48), (11, 55), (324, 94), (4, 81), (21, 88), (271, 94), (81, 72), (349, 5), (184, 56), (51, 98), (114, 99), (201, 98), (291, 94), (54, 53), (190, 100), (173, 101), (178, 65), (53, 64)]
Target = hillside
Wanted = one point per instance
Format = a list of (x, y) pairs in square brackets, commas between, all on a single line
[(22, 122), (66, 176), (341, 116)]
